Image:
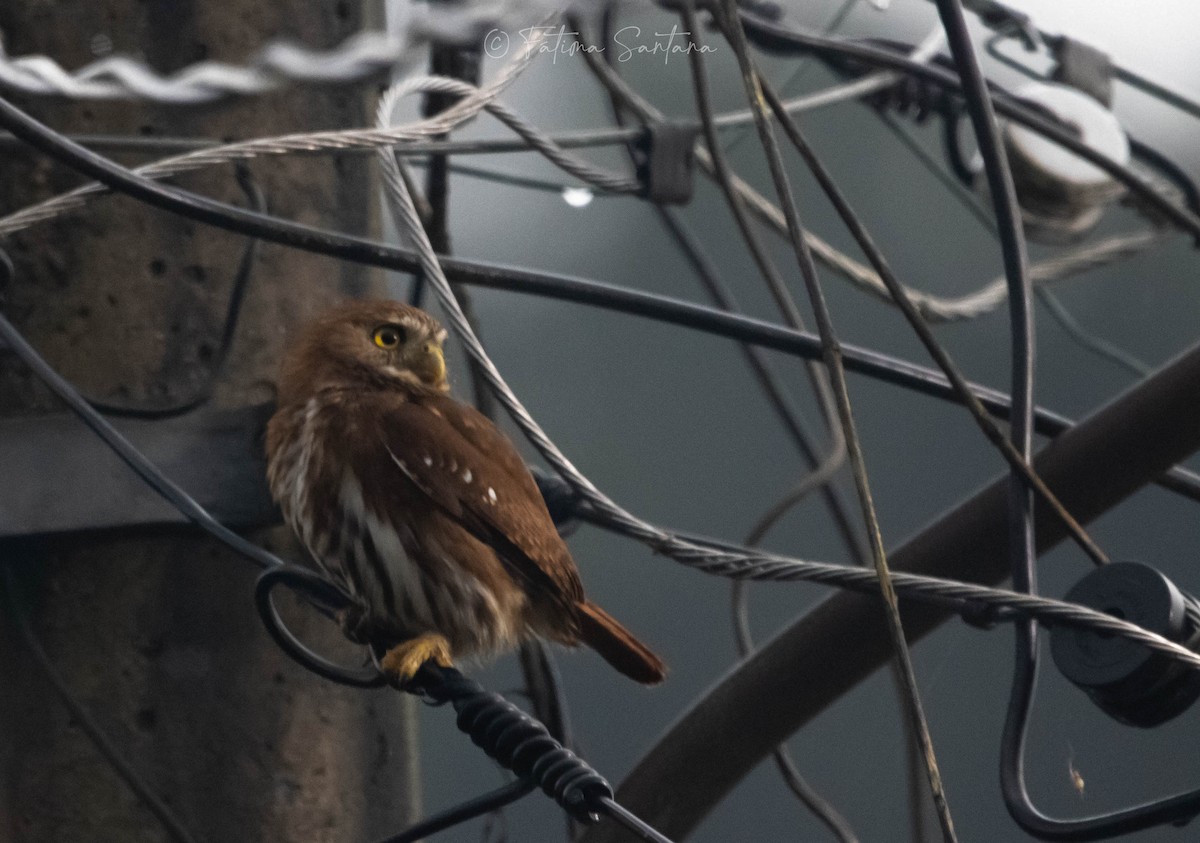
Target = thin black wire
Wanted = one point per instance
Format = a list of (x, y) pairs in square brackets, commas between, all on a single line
[(781, 295), (84, 719), (605, 71), (122, 447), (1019, 462), (648, 305), (630, 820), (967, 200), (818, 478), (734, 34), (327, 598), (469, 810), (1096, 344), (773, 36)]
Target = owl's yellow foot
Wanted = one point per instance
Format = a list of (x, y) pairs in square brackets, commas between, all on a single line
[(404, 660)]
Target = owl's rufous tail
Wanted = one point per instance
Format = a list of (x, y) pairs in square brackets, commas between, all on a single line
[(617, 646)]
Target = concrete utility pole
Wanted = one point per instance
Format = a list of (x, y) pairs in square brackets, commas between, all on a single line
[(154, 630)]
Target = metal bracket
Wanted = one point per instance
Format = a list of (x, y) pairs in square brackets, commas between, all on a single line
[(56, 476)]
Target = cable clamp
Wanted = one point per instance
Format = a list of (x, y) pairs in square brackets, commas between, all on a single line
[(1085, 68), (665, 156)]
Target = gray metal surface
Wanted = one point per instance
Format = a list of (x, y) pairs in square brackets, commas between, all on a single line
[(59, 477)]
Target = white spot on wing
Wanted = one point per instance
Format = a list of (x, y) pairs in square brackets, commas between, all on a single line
[(491, 495), (404, 467), (429, 462), (467, 476)]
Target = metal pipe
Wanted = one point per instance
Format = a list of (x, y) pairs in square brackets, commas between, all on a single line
[(1092, 467)]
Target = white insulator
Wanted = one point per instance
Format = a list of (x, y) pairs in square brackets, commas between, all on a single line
[(1061, 194)]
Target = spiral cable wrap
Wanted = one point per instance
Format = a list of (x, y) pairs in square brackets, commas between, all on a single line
[(520, 743)]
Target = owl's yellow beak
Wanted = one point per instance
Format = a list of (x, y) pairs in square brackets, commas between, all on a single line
[(431, 367)]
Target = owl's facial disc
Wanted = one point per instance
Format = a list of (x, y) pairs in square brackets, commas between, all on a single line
[(412, 346)]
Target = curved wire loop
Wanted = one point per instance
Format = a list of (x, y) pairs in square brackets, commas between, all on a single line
[(1178, 809), (322, 592)]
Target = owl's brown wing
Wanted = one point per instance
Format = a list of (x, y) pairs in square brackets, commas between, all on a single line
[(469, 469)]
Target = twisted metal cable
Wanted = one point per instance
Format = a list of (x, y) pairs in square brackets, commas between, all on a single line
[(276, 65), (741, 564), (475, 100), (933, 307), (598, 177), (714, 559), (309, 142)]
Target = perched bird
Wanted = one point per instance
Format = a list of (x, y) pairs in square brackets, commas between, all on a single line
[(418, 506)]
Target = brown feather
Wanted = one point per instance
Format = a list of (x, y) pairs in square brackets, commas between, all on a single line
[(419, 505), (617, 646)]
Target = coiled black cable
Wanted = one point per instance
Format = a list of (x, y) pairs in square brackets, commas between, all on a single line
[(517, 741)]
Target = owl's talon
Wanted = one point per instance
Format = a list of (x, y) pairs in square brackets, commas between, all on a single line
[(404, 660)]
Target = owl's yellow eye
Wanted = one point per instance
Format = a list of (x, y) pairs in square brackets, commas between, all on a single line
[(389, 336)]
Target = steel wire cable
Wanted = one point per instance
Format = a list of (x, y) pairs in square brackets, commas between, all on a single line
[(1043, 610), (727, 21), (934, 307), (738, 564), (278, 63)]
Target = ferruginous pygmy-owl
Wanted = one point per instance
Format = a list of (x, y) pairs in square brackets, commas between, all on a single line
[(418, 505)]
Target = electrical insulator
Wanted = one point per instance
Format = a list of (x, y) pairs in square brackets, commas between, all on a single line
[(1061, 195), (1129, 681)]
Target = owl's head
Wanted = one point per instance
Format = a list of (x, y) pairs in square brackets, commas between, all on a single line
[(368, 343)]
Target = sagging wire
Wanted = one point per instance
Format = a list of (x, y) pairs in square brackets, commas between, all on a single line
[(1128, 244), (715, 560), (863, 361), (1012, 773), (1183, 806), (321, 594), (1019, 462), (774, 37), (1096, 344), (822, 809), (84, 719), (934, 307), (823, 469), (726, 18)]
